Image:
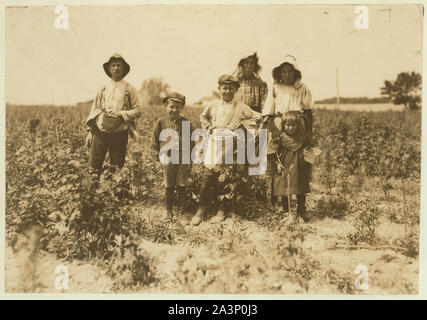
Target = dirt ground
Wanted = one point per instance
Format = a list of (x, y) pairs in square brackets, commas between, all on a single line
[(236, 256)]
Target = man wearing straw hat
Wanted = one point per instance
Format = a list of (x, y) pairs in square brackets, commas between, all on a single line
[(112, 118)]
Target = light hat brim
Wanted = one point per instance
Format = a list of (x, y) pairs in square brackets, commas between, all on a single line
[(289, 60)]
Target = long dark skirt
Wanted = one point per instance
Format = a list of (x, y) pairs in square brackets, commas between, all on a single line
[(299, 171)]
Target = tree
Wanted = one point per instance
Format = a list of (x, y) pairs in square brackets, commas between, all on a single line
[(405, 90), (152, 90)]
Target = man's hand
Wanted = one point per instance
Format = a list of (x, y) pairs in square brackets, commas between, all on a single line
[(88, 141), (115, 114)]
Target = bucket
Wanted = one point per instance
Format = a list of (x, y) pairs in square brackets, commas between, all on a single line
[(311, 154)]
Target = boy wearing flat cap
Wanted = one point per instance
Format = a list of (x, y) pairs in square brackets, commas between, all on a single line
[(176, 175), (224, 114), (112, 118)]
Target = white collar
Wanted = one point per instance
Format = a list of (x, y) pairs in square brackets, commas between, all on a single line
[(114, 83)]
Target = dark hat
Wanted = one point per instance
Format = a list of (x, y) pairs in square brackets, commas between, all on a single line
[(228, 79), (174, 96), (116, 56)]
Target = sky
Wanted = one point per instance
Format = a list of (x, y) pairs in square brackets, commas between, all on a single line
[(191, 46)]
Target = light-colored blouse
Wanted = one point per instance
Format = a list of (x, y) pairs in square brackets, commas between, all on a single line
[(288, 98)]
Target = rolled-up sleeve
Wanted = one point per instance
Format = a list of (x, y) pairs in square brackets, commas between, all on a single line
[(306, 100), (135, 105), (248, 113), (270, 103), (206, 118), (95, 110)]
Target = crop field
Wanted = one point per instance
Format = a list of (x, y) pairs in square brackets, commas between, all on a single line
[(365, 200)]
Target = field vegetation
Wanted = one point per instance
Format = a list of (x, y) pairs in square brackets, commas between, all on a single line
[(365, 199)]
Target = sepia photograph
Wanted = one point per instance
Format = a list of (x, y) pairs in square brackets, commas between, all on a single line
[(233, 149)]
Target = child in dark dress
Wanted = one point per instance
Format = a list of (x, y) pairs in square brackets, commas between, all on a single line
[(291, 173)]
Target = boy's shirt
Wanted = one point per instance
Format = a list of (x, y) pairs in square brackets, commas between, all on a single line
[(222, 115), (117, 96), (177, 125)]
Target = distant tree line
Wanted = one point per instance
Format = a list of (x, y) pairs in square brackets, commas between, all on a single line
[(406, 90), (354, 100)]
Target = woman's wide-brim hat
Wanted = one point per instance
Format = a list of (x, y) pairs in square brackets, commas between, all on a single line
[(116, 56), (289, 60)]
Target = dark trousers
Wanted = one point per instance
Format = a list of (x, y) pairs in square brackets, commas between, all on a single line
[(113, 143), (171, 199), (210, 181), (205, 192)]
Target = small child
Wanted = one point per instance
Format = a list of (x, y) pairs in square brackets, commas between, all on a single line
[(175, 175), (291, 173)]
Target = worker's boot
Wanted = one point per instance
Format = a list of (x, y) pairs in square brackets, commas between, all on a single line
[(220, 215), (180, 199), (285, 204), (198, 217), (301, 210), (169, 199)]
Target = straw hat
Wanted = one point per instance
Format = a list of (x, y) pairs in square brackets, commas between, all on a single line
[(116, 56)]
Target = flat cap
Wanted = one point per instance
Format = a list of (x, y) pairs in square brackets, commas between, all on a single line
[(174, 96), (229, 79)]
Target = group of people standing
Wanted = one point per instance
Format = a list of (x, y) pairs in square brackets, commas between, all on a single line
[(287, 117)]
